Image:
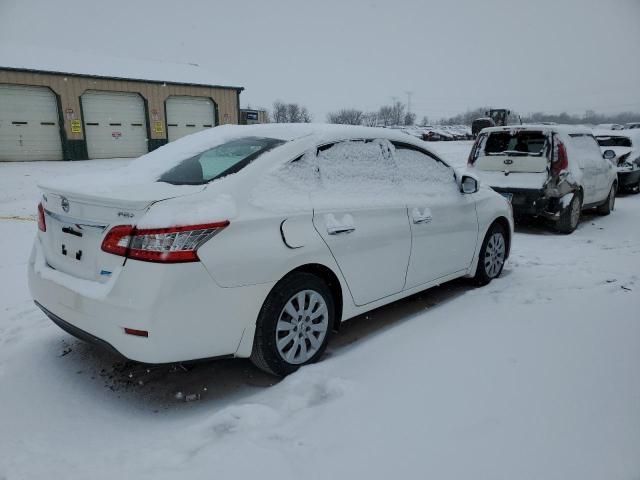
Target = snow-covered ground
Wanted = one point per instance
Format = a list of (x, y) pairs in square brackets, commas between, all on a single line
[(535, 376)]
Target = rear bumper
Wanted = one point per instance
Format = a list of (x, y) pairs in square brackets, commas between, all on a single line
[(528, 201), (77, 332), (188, 316)]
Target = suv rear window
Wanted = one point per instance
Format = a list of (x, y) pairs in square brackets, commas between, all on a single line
[(614, 141), (524, 143), (219, 161)]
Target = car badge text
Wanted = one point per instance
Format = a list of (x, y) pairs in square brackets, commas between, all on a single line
[(65, 204)]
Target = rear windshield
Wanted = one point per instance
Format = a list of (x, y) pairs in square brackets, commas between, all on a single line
[(522, 143), (614, 141), (222, 160)]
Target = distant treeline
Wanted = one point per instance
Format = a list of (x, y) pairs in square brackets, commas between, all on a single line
[(589, 117)]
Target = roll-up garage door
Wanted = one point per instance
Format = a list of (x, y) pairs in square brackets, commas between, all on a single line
[(114, 124), (186, 115), (29, 124)]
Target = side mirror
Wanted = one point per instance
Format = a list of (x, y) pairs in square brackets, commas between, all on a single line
[(609, 154), (468, 184)]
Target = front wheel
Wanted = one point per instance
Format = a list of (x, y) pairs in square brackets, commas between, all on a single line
[(493, 255), (607, 207), (294, 324)]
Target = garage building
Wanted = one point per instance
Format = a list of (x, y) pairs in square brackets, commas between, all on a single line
[(108, 111)]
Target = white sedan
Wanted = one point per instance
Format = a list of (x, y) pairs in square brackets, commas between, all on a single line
[(258, 241)]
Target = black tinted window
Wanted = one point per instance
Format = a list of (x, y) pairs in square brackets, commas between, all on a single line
[(614, 141), (219, 161), (516, 143)]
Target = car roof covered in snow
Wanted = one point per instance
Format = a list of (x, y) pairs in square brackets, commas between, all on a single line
[(564, 129), (321, 132), (51, 60)]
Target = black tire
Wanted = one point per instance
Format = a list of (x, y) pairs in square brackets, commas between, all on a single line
[(568, 221), (609, 204), (484, 273), (265, 354)]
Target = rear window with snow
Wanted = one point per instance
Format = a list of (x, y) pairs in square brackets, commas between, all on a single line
[(516, 143), (614, 141), (219, 161)]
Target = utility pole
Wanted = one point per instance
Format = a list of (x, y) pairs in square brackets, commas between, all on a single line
[(408, 101)]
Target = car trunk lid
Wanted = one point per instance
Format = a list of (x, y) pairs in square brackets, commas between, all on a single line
[(77, 220)]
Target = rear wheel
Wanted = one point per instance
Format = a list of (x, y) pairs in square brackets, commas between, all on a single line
[(607, 207), (493, 254), (294, 324), (570, 216)]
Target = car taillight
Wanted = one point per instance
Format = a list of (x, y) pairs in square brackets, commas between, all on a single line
[(475, 150), (42, 224), (560, 161), (162, 245)]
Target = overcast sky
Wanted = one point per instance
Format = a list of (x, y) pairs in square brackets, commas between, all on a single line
[(533, 55)]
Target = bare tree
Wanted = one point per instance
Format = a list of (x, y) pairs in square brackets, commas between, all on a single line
[(370, 119), (397, 113), (409, 119), (346, 116), (293, 113), (305, 116), (289, 113), (424, 121), (279, 114), (385, 116)]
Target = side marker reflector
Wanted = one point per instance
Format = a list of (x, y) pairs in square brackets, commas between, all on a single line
[(137, 333)]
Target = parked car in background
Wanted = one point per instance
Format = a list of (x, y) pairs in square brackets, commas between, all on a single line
[(632, 125), (553, 171), (609, 126), (257, 241), (626, 147)]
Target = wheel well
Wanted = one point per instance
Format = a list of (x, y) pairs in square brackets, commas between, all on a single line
[(504, 223), (330, 278)]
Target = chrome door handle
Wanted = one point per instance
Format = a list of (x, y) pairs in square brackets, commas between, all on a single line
[(418, 220), (340, 230)]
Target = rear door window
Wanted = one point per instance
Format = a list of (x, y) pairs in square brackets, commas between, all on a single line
[(586, 148), (360, 171)]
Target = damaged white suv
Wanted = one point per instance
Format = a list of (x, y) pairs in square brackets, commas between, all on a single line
[(552, 171)]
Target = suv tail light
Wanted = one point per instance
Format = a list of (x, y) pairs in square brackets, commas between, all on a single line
[(42, 224), (559, 161), (475, 150), (161, 245)]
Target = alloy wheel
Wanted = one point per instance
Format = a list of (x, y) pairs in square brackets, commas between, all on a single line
[(494, 255), (302, 326)]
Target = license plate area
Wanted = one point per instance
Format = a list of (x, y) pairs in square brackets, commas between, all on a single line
[(71, 248)]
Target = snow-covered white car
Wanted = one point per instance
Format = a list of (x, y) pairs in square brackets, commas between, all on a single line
[(257, 241), (609, 126), (553, 171), (625, 145)]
